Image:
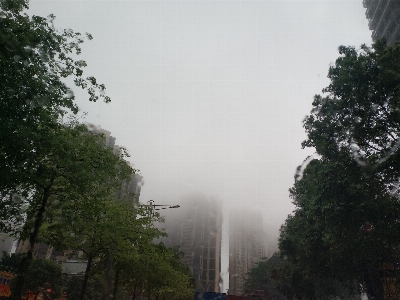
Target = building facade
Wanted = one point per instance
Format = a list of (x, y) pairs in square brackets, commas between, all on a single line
[(197, 228), (247, 246), (384, 19)]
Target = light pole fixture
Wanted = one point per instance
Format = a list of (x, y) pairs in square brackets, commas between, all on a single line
[(154, 206)]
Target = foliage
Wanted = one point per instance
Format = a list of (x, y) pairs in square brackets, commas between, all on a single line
[(74, 163), (98, 226), (360, 110), (158, 271), (43, 274), (34, 59), (94, 290), (10, 263), (346, 223), (261, 277)]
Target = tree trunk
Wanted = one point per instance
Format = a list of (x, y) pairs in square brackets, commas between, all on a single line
[(117, 272), (107, 278), (134, 291), (26, 261), (86, 277)]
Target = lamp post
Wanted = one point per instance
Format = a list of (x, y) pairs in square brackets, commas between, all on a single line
[(159, 206), (109, 263), (155, 207)]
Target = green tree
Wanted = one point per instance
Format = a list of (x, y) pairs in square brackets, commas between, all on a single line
[(359, 112), (345, 226), (75, 163), (261, 277), (43, 276), (10, 263), (100, 227), (34, 60), (157, 271), (94, 289)]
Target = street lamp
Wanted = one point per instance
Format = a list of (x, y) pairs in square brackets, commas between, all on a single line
[(159, 206), (155, 207)]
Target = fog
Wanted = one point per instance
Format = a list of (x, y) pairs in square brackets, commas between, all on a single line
[(209, 96)]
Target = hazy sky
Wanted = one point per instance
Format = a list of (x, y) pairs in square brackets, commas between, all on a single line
[(209, 96)]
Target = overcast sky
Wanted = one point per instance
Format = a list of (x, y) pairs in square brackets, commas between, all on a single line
[(209, 96)]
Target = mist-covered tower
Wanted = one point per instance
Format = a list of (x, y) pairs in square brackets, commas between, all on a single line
[(247, 246), (197, 228)]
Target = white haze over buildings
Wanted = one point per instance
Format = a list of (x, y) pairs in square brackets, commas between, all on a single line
[(209, 96)]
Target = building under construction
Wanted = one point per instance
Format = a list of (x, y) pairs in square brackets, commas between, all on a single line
[(247, 246), (197, 228), (384, 19)]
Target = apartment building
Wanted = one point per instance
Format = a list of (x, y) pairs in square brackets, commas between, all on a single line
[(197, 228), (247, 246)]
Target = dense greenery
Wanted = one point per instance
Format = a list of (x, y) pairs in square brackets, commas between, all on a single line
[(44, 276), (59, 181), (344, 235), (263, 278), (158, 272), (39, 153)]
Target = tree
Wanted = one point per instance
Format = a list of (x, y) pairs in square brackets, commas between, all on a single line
[(157, 271), (93, 291), (43, 160), (345, 226), (10, 263), (34, 59), (75, 163), (260, 277), (359, 112), (44, 276), (336, 203), (99, 227)]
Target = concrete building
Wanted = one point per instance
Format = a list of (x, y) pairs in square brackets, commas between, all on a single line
[(384, 19), (247, 246), (197, 228)]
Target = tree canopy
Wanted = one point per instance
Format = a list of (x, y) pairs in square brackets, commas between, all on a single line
[(345, 226), (59, 181), (34, 59), (359, 110)]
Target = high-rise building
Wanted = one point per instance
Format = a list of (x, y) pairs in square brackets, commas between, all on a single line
[(247, 246), (197, 228), (384, 19)]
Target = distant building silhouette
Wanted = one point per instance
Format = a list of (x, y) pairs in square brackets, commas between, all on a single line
[(197, 228), (384, 19), (247, 246)]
